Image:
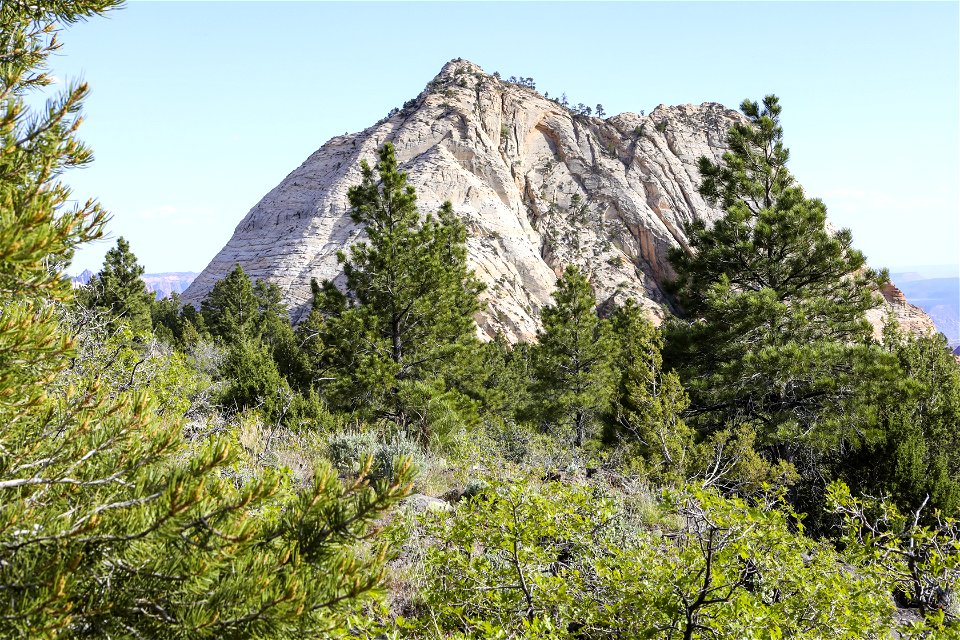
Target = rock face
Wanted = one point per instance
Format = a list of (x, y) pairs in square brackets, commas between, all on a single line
[(83, 278), (912, 319), (537, 186)]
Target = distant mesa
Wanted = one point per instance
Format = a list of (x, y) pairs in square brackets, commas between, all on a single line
[(161, 284), (538, 184)]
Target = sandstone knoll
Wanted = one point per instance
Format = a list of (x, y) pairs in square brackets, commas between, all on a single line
[(537, 186)]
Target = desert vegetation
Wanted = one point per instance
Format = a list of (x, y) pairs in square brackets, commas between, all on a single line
[(760, 466)]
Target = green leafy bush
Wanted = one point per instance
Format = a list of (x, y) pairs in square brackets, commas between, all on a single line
[(566, 561), (916, 555)]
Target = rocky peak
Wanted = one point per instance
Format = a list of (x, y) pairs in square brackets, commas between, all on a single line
[(537, 184), (892, 294), (458, 66), (83, 278)]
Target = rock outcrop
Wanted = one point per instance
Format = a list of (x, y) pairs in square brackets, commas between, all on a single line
[(911, 318), (537, 186), (83, 278)]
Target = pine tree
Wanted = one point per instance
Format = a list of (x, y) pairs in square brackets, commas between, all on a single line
[(252, 379), (574, 380), (118, 289), (265, 365), (774, 302), (649, 401), (497, 377), (231, 310), (176, 323), (408, 312), (111, 524)]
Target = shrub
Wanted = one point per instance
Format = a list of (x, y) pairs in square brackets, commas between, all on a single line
[(351, 449), (348, 449), (387, 454), (562, 561)]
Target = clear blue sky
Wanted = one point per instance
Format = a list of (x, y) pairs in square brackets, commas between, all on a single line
[(198, 109)]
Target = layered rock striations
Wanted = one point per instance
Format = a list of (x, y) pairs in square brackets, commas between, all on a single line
[(537, 185)]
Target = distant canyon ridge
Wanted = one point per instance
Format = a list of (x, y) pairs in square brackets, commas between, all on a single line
[(538, 186), (160, 284)]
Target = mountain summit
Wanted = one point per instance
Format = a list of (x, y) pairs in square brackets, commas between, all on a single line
[(538, 185)]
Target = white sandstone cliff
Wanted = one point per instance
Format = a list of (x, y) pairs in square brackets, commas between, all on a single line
[(537, 186)]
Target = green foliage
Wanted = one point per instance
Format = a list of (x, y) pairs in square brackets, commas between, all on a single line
[(646, 417), (742, 570), (118, 291), (920, 564), (566, 562), (350, 449), (237, 308), (434, 415), (511, 440), (915, 454), (265, 365), (108, 352), (496, 375), (775, 333), (111, 524), (252, 379), (408, 318), (231, 309), (573, 378), (37, 229), (649, 401), (501, 561), (176, 323)]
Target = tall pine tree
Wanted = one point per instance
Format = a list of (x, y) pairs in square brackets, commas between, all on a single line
[(573, 377), (408, 311), (118, 289), (648, 400), (774, 301), (232, 310)]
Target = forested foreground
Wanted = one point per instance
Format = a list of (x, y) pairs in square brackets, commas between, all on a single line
[(761, 466)]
